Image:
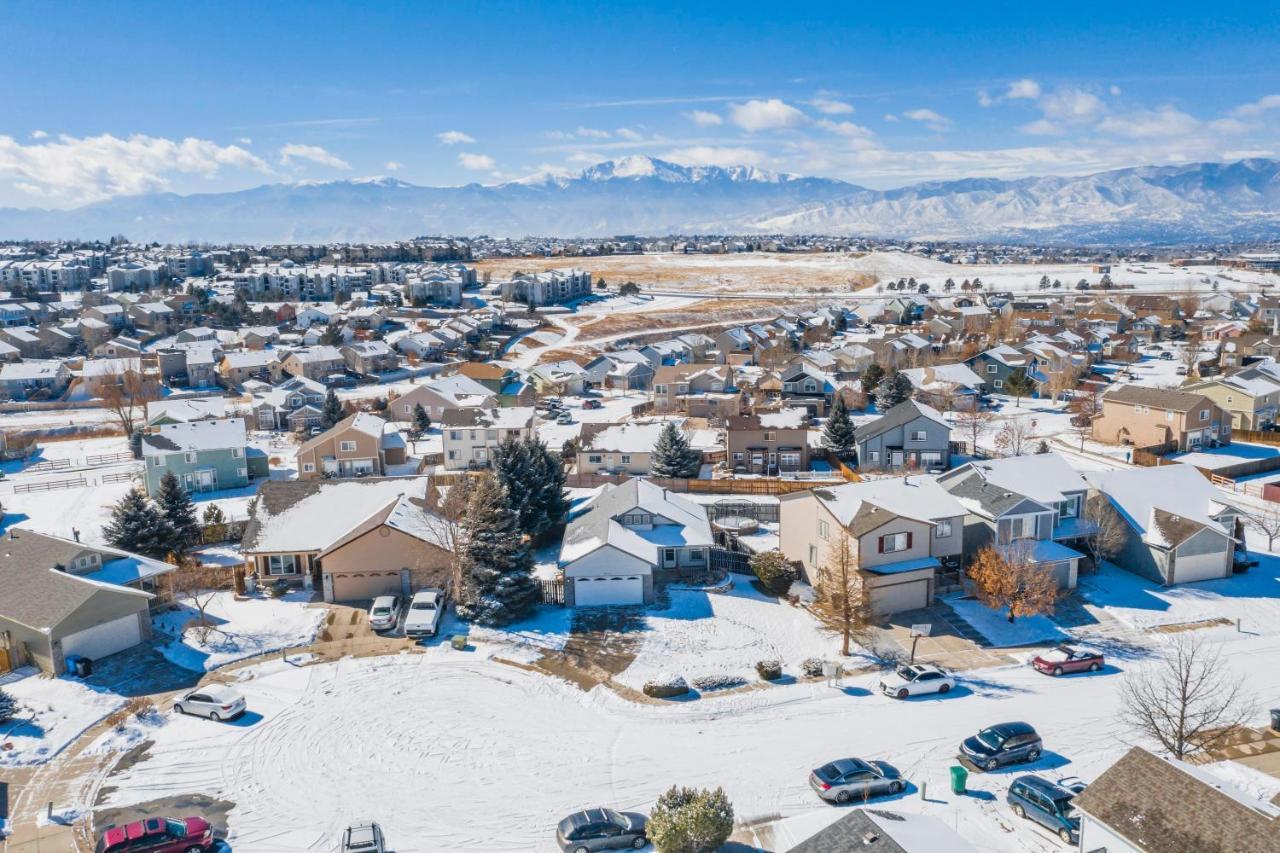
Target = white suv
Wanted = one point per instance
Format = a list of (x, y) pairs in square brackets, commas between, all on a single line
[(426, 609)]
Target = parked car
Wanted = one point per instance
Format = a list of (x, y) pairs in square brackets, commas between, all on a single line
[(592, 404), (158, 835), (914, 680), (1065, 658), (425, 612), (850, 779), (601, 829), (363, 838), (1005, 743), (1181, 371), (1046, 803), (384, 613), (1167, 356), (218, 702), (565, 418)]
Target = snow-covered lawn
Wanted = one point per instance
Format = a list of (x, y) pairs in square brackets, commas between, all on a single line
[(1231, 454), (999, 631), (53, 713), (455, 752), (725, 634), (241, 629)]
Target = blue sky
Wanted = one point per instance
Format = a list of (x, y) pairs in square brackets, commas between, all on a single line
[(109, 99)]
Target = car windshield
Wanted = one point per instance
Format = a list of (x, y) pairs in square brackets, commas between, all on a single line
[(828, 771), (424, 605), (176, 828), (991, 738), (381, 611), (1064, 807), (1057, 655), (615, 818), (906, 673)]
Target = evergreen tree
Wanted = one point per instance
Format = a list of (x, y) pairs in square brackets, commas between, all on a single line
[(332, 335), (871, 378), (1019, 385), (178, 513), (8, 707), (513, 468), (495, 561), (421, 420), (136, 526), (838, 434), (894, 389), (550, 500), (214, 523), (332, 411), (672, 456), (1042, 447)]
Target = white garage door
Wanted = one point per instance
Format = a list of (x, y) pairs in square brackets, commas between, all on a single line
[(595, 592), (903, 596), (105, 639), (1200, 567), (362, 586)]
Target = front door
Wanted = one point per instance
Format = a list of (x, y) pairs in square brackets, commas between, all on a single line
[(895, 458), (668, 557)]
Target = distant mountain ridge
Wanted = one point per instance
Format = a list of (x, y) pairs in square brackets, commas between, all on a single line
[(644, 195)]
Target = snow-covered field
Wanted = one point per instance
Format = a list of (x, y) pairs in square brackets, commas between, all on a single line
[(241, 629), (53, 712)]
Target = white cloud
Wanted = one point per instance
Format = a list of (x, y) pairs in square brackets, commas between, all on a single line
[(831, 106), (1024, 89), (702, 118), (1258, 107), (710, 155), (393, 166), (454, 137), (1163, 122), (82, 169), (479, 162), (592, 133), (628, 133), (985, 99), (891, 118), (929, 118), (39, 134), (845, 128), (1229, 125), (1115, 91), (244, 140), (293, 152), (772, 114), (1072, 105), (584, 158), (1041, 127)]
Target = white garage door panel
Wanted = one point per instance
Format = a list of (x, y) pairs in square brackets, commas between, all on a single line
[(1199, 568), (357, 587), (903, 596), (105, 639), (599, 591)]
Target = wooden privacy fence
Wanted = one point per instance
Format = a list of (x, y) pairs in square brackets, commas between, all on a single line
[(1255, 436), (552, 591)]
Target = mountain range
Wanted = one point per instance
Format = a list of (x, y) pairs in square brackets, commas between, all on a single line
[(644, 195)]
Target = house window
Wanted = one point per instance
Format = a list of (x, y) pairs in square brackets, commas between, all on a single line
[(156, 461), (346, 446), (895, 542), (1168, 416), (1069, 508), (824, 530), (813, 554), (308, 467), (456, 435), (931, 457), (1204, 414), (737, 457), (991, 368), (189, 458), (873, 455), (237, 452), (770, 436), (453, 454), (943, 529), (919, 435), (997, 383), (242, 472), (595, 459), (282, 564)]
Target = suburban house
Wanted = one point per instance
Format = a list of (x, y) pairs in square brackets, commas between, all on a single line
[(236, 368), (947, 386), (901, 531), (360, 445), (369, 358), (60, 598), (1177, 528), (626, 370), (471, 435), (910, 435), (1147, 804), (441, 395), (697, 390), (768, 442), (1037, 500), (320, 363), (876, 831), (356, 539), (294, 404), (1251, 395), (560, 377), (28, 379), (1175, 420), (629, 538), (205, 455), (804, 385), (997, 364), (161, 412), (625, 448)]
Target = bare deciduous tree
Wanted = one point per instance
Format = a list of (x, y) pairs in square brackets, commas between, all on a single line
[(1191, 355), (197, 587), (447, 521), (1107, 532), (973, 425), (1013, 436), (1189, 702), (1266, 522), (843, 601), (1085, 406), (124, 392)]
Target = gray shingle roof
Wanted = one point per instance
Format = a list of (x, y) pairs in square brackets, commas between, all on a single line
[(903, 413), (1157, 398)]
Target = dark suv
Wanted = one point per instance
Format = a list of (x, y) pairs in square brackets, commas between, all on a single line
[(1006, 743), (601, 829), (1049, 805), (158, 835)]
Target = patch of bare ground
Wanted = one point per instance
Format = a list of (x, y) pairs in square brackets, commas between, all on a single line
[(709, 311), (1180, 627), (577, 356)]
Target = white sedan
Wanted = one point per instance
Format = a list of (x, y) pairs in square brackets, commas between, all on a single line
[(216, 701), (914, 680)]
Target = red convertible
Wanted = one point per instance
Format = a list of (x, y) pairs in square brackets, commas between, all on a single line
[(1065, 659)]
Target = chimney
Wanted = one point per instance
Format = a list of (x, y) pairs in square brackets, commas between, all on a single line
[(75, 534)]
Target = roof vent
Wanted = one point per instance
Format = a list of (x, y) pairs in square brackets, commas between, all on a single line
[(1174, 518), (870, 838)]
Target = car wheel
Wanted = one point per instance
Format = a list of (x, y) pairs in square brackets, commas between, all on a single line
[(177, 707), (944, 688), (196, 849), (581, 850), (991, 764), (213, 715), (842, 797), (1020, 812), (1057, 670), (903, 693), (1033, 755), (896, 787), (1065, 835), (1095, 666), (640, 843)]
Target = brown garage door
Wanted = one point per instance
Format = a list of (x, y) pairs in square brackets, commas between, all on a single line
[(356, 587)]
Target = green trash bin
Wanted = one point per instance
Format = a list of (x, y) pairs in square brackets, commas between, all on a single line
[(958, 777)]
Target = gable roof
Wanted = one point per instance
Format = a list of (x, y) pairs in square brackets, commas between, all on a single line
[(1165, 505), (914, 496), (597, 525), (899, 415), (195, 435), (1157, 398), (995, 486), (881, 831)]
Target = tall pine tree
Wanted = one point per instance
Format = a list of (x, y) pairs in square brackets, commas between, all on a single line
[(838, 434), (550, 499), (332, 411), (136, 526), (894, 389), (495, 563), (871, 378), (672, 456), (421, 420), (513, 467), (182, 528)]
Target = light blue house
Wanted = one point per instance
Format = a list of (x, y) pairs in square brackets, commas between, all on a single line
[(205, 456)]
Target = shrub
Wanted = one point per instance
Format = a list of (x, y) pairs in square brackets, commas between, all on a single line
[(666, 686), (812, 667), (278, 589), (689, 820), (775, 573), (8, 707), (718, 681), (769, 670)]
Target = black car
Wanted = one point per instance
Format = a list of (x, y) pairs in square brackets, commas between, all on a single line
[(1005, 743), (601, 829)]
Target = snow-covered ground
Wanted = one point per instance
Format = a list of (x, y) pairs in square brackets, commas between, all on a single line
[(999, 631), (241, 629), (53, 712)]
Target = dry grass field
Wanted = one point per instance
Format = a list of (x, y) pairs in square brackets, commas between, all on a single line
[(706, 311)]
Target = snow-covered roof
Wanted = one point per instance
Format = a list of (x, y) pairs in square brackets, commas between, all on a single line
[(1180, 491), (789, 418), (633, 437), (195, 435), (187, 410), (1043, 477), (915, 496), (599, 525)]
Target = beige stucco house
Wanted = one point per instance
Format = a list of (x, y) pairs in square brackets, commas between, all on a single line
[(1178, 420)]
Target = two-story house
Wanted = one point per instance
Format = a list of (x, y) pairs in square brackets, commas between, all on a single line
[(360, 445), (630, 538), (369, 358), (625, 448), (471, 435), (901, 533), (1251, 396), (1036, 500), (697, 390), (805, 386), (205, 455), (320, 363), (768, 443), (1174, 420), (437, 396), (910, 435), (237, 368), (295, 404)]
